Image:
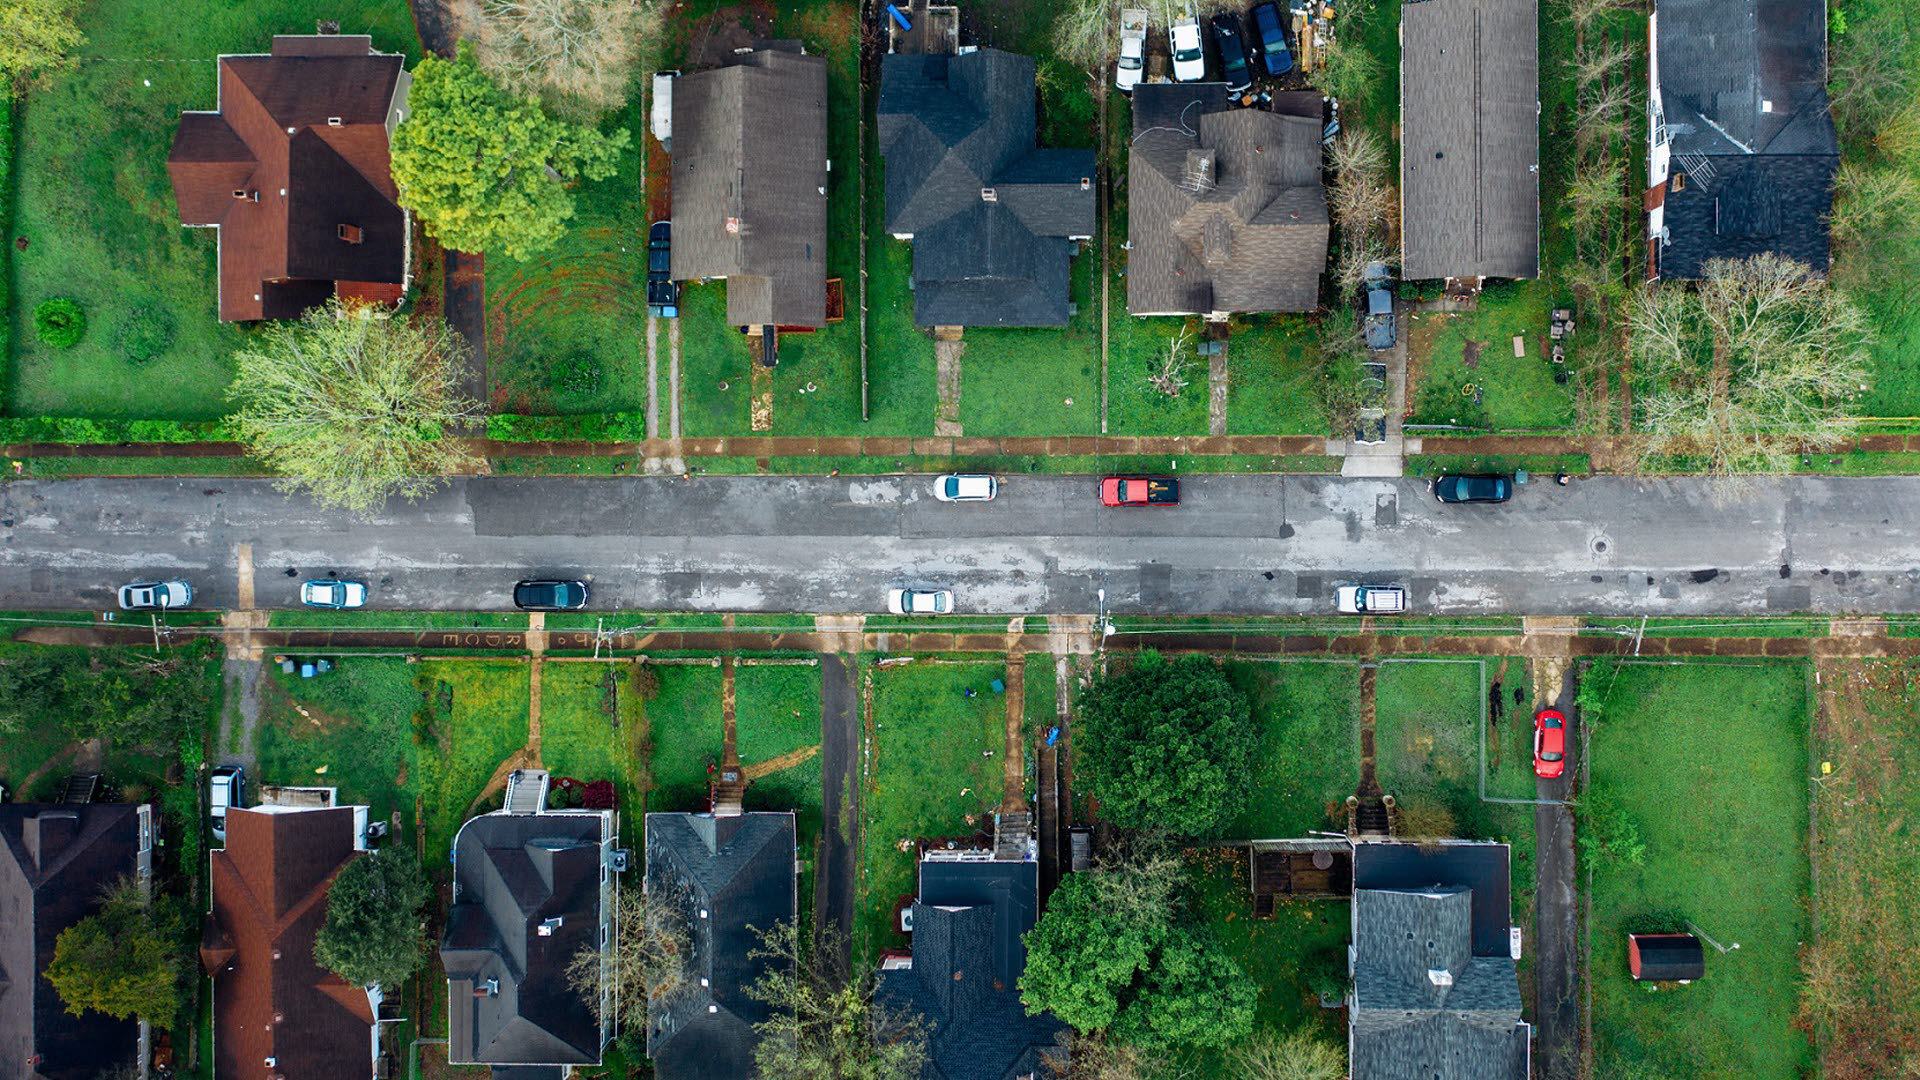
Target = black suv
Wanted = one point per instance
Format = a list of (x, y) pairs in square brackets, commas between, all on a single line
[(663, 293), (550, 595), (1229, 39)]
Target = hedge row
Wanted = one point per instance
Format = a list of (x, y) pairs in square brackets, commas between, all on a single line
[(588, 427), (6, 211), (80, 429)]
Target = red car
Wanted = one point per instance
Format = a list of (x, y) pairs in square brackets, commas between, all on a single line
[(1549, 744), (1139, 491)]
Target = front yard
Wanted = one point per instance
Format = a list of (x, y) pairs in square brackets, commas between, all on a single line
[(1709, 762), (1309, 756)]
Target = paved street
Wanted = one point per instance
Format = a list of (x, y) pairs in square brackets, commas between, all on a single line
[(1237, 544)]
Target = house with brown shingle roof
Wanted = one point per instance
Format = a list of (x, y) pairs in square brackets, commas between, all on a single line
[(1226, 212), (277, 1014), (56, 861), (750, 184), (291, 169)]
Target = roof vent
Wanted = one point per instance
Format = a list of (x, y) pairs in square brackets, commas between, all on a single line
[(290, 131), (490, 988), (703, 913), (239, 193), (1440, 976), (1766, 106), (334, 121), (987, 195), (548, 926), (349, 233), (713, 1008), (1086, 183), (733, 226)]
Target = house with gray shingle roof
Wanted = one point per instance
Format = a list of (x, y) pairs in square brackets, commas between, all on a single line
[(1226, 212), (1470, 139), (962, 976), (750, 184), (1741, 147), (1435, 994), (732, 877), (994, 219)]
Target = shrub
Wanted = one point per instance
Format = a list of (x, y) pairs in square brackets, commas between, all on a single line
[(579, 374), (146, 333), (59, 323)]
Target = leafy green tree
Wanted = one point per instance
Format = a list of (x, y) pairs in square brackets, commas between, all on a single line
[(1192, 995), (487, 171), (824, 1024), (1166, 744), (374, 932), (124, 960), (37, 38), (1084, 954), (354, 407)]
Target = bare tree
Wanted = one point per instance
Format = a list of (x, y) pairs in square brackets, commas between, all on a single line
[(577, 56), (1594, 194), (1086, 32), (647, 961), (1584, 13), (1761, 362), (1870, 77), (1347, 71), (1170, 377), (1294, 1055), (1597, 120), (1094, 1057), (1600, 58), (824, 1024)]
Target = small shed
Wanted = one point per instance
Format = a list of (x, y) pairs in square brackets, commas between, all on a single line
[(1665, 957)]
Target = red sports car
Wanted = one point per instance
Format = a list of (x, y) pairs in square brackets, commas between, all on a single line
[(1549, 743)]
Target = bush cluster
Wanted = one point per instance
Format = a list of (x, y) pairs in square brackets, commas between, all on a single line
[(59, 323), (146, 333)]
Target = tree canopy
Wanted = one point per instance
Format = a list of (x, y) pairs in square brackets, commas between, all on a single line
[(1165, 745), (124, 960), (1116, 951), (648, 961), (486, 171), (823, 1024), (374, 931), (37, 38), (107, 695), (354, 407)]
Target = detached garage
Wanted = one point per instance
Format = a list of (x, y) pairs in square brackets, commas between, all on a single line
[(1665, 957)]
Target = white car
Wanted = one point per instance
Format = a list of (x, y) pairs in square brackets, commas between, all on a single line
[(1133, 50), (920, 601), (1370, 599), (152, 595), (1189, 58), (965, 487), (329, 593), (226, 789)]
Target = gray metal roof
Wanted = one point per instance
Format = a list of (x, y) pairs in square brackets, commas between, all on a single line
[(749, 185), (1225, 210), (953, 128), (508, 1001), (1470, 139), (740, 872)]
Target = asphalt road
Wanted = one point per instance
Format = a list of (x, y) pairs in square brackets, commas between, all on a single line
[(1237, 544)]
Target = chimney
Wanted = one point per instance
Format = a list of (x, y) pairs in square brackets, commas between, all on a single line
[(48, 833), (334, 121), (987, 195), (1440, 976), (548, 926), (733, 226), (349, 233), (1086, 182), (490, 988)]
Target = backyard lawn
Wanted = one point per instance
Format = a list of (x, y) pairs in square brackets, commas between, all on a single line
[(1710, 762), (1309, 756), (357, 724), (684, 734), (927, 776), (94, 209)]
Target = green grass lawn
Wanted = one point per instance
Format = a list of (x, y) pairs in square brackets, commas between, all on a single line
[(925, 777), (1711, 763), (358, 725), (1270, 377), (1509, 737), (1309, 756), (1514, 392), (96, 209), (776, 711), (683, 724), (475, 718), (586, 714)]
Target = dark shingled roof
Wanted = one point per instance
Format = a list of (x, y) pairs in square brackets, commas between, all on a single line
[(1227, 213), (1743, 95), (54, 862), (740, 871), (275, 134), (512, 873), (1435, 994), (951, 127), (968, 955), (749, 185), (271, 999), (1470, 139)]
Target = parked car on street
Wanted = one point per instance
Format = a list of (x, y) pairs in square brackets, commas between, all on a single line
[(329, 593), (663, 293), (550, 595), (1468, 488), (1139, 491), (1370, 599), (1381, 331), (965, 487), (226, 789), (1549, 743), (1189, 58), (1133, 50), (1230, 38), (916, 601), (1270, 39), (155, 595)]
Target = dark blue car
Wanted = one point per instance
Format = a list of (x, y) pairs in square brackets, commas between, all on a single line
[(1233, 52), (1270, 39)]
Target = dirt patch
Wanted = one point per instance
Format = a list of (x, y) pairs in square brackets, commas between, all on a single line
[(1470, 353), (788, 760), (712, 40)]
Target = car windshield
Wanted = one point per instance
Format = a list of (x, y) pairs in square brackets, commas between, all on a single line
[(953, 487), (1129, 62), (1552, 755)]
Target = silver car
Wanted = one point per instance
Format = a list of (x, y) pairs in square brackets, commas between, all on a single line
[(155, 595)]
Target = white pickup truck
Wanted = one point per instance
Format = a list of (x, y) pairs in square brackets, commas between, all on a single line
[(1133, 50), (1189, 56)]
